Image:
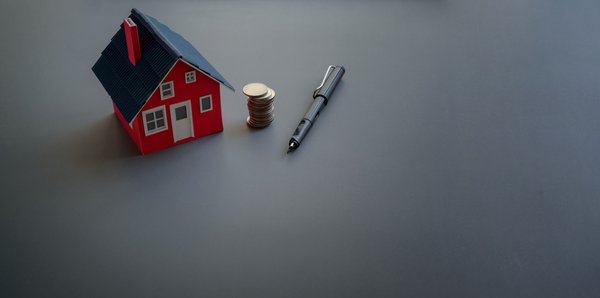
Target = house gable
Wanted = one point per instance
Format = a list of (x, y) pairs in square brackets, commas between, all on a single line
[(203, 123), (182, 90)]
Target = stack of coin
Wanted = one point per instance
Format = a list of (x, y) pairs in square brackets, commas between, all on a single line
[(260, 104)]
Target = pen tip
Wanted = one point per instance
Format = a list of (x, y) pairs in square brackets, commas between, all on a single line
[(292, 146)]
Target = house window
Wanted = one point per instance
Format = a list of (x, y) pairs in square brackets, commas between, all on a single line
[(190, 77), (166, 90), (154, 120), (181, 113), (205, 103)]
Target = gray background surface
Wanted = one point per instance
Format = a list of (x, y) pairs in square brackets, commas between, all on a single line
[(458, 157)]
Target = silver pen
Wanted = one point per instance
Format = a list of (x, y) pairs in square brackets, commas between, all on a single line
[(321, 95)]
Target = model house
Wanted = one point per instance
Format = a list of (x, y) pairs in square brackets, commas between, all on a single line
[(163, 90)]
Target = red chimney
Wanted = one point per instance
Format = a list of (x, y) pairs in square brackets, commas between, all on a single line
[(133, 41)]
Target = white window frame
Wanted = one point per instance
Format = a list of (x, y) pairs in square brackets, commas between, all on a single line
[(192, 77), (162, 90), (145, 122), (211, 103)]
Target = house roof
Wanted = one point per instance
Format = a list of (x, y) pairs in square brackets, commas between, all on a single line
[(130, 86)]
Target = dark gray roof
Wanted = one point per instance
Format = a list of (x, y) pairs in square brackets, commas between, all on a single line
[(129, 85)]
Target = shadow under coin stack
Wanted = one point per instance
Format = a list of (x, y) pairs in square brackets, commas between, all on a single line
[(260, 104)]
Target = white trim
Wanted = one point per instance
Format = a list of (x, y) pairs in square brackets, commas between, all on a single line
[(203, 72), (164, 77), (192, 76), (169, 83), (144, 113), (211, 103), (130, 22)]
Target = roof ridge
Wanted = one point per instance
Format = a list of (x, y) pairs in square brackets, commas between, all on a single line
[(177, 46), (155, 31)]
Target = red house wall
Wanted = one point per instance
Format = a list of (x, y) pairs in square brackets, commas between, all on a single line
[(203, 123)]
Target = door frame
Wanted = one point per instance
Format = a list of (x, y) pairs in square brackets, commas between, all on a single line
[(188, 104)]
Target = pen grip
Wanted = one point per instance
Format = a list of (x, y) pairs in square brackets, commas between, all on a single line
[(308, 119), (301, 131)]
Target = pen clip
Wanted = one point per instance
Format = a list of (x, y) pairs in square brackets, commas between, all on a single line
[(329, 70)]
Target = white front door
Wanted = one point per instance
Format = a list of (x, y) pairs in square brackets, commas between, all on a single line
[(181, 121)]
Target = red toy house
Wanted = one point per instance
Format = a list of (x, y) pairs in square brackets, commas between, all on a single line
[(164, 91)]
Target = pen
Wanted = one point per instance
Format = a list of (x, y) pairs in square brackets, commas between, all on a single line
[(321, 95)]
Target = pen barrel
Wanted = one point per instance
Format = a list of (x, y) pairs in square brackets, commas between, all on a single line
[(330, 82), (308, 119)]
